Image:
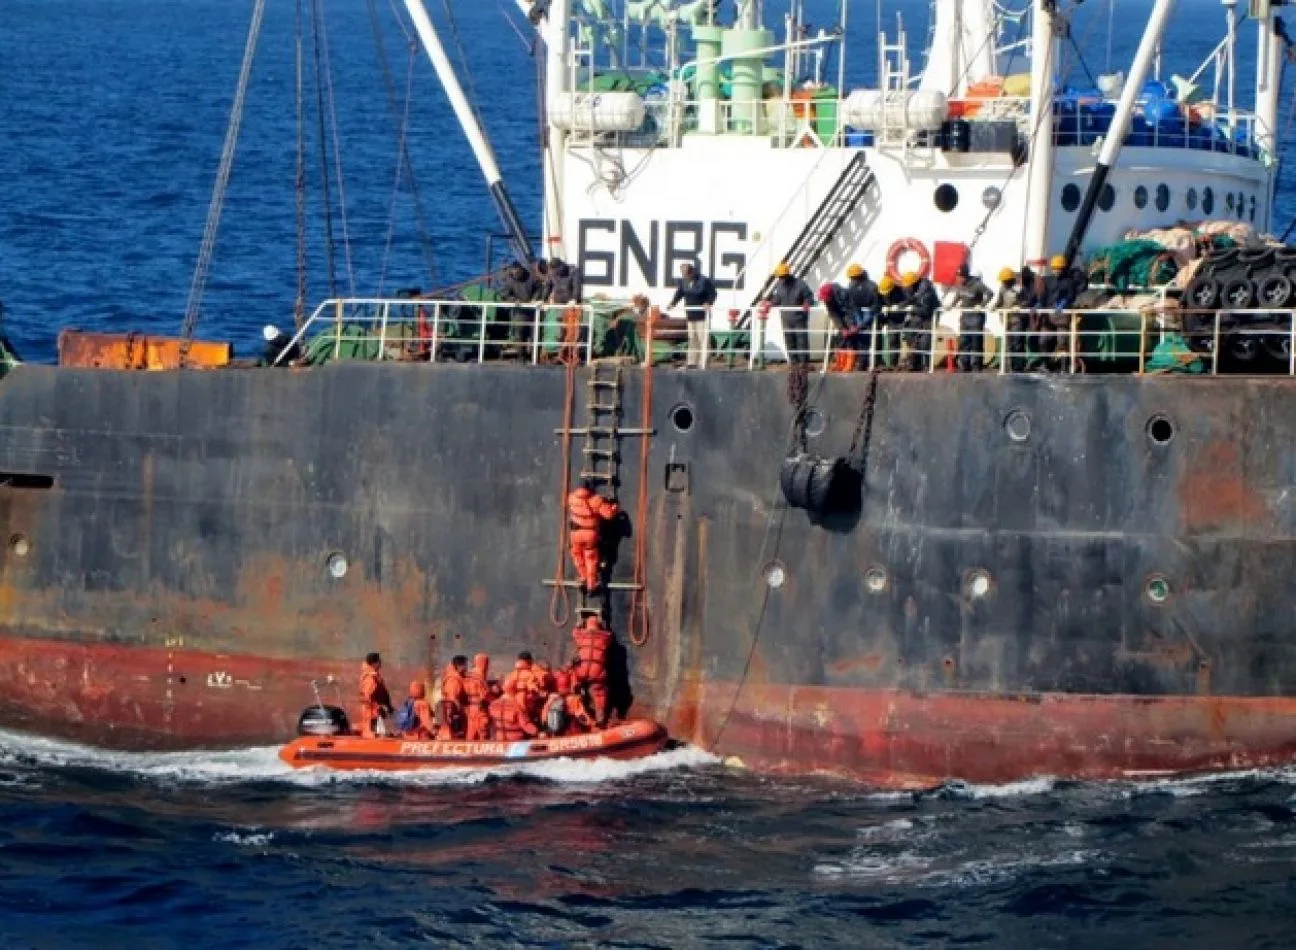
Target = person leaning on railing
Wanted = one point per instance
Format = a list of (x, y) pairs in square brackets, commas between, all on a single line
[(891, 302), (698, 293), (1008, 301), (970, 295), (1059, 292), (792, 298), (519, 286), (921, 303)]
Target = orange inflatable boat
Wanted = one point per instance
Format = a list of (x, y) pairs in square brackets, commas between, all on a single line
[(632, 739)]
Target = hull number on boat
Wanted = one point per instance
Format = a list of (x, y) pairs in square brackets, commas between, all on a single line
[(618, 253)]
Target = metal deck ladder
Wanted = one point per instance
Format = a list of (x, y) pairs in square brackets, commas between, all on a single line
[(825, 224), (601, 449)]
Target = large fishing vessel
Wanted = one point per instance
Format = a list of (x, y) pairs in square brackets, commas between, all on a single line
[(897, 576)]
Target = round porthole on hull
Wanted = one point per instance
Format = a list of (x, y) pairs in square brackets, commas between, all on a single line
[(337, 565)]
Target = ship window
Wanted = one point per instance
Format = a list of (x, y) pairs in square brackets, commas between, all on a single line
[(1160, 430), (1018, 425), (1191, 198), (1107, 198), (946, 197), (1070, 197), (681, 417), (991, 197), (1253, 207), (978, 583), (1157, 589), (1208, 200), (1229, 201), (1140, 196), (775, 574), (337, 565), (1162, 197), (814, 422), (20, 545), (875, 579), (1241, 204)]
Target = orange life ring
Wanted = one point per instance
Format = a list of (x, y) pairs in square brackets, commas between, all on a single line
[(911, 245)]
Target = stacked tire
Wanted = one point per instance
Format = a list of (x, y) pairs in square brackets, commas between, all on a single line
[(1244, 285)]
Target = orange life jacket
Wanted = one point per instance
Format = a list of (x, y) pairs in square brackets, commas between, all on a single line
[(586, 509), (591, 652), (508, 722)]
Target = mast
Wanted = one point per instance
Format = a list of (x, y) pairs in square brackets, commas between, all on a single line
[(1147, 52), (471, 128), (1271, 50), (557, 41), (1043, 40)]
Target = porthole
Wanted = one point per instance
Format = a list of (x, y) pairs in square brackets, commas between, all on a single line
[(1208, 200), (1229, 202), (875, 579), (337, 565), (1162, 197), (991, 197), (1191, 198), (1157, 589), (978, 583), (946, 198), (1107, 198), (1070, 196), (1241, 204), (1160, 430), (681, 417), (1252, 213), (775, 575), (1140, 197), (814, 422), (20, 545), (1018, 425)]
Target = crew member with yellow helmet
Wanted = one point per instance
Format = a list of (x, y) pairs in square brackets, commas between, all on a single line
[(921, 304), (1059, 293), (970, 295), (1007, 302), (792, 298), (891, 301), (862, 295)]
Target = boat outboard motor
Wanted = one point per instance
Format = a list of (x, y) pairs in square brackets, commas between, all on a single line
[(321, 720)]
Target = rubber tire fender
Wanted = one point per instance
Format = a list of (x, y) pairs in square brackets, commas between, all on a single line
[(795, 478), (1238, 294), (1256, 258), (1275, 290), (1203, 293), (823, 474)]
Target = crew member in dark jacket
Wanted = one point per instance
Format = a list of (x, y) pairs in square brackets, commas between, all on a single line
[(921, 304), (891, 301), (1008, 302), (698, 293), (970, 295), (519, 286), (1058, 295), (564, 282), (865, 303), (792, 298), (280, 350)]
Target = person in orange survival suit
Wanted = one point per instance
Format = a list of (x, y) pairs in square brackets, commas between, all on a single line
[(574, 718), (420, 712), (509, 721), (477, 697), (454, 699), (525, 685), (586, 512), (593, 641), (375, 701)]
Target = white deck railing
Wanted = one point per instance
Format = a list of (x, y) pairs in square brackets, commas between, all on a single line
[(1095, 341)]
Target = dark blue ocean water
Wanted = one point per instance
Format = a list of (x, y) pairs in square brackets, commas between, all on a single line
[(111, 119)]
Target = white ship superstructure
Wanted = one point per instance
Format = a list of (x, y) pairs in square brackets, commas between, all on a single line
[(694, 132)]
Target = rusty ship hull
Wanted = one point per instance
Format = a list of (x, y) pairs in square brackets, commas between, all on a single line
[(1076, 576)]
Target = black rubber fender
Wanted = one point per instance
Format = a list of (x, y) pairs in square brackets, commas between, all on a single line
[(1256, 258), (1203, 293), (1238, 294), (794, 479), (822, 478), (1274, 290)]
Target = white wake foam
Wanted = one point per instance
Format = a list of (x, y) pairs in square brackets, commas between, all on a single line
[(262, 763)]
